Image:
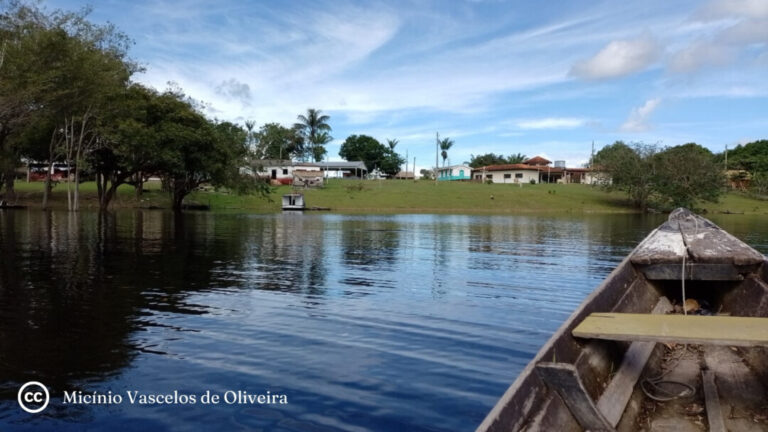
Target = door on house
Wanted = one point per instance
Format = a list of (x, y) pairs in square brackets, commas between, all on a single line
[(274, 174)]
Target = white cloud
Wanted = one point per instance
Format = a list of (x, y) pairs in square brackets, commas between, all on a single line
[(722, 9), (699, 55), (552, 123), (618, 58), (638, 118)]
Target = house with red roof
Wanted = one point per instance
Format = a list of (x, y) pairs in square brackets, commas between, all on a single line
[(534, 170)]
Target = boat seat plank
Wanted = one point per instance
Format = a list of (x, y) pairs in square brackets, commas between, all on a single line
[(614, 399), (564, 379), (693, 329)]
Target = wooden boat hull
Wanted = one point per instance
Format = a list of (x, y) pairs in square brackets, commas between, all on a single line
[(531, 405)]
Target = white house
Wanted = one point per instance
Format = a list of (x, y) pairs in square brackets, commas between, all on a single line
[(454, 172), (279, 171), (508, 173)]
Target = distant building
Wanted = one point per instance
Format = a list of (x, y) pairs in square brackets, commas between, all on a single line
[(507, 173), (537, 170), (347, 170), (402, 175), (454, 172), (278, 171)]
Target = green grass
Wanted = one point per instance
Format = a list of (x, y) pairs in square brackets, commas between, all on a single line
[(399, 196)]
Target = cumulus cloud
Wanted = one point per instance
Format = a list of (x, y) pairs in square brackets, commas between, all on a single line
[(551, 123), (638, 118), (618, 58)]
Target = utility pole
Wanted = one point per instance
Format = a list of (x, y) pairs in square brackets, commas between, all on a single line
[(437, 147), (414, 168), (726, 157), (406, 164)]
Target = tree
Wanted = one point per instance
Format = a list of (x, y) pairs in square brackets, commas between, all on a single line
[(372, 153), (445, 145), (676, 176), (516, 158), (630, 169), (199, 151), (752, 157), (274, 141), (685, 174), (315, 130), (426, 174), (392, 143), (486, 159)]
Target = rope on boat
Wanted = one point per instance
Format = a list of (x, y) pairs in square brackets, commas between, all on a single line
[(652, 387)]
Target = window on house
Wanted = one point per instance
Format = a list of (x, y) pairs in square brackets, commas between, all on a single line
[(506, 176), (489, 176), (285, 171), (519, 175)]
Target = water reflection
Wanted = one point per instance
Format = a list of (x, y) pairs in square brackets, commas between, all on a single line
[(408, 322)]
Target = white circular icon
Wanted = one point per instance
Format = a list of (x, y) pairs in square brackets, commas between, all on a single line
[(33, 397)]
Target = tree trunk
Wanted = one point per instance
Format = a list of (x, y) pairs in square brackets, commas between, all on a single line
[(48, 185), (139, 185), (180, 190), (8, 178)]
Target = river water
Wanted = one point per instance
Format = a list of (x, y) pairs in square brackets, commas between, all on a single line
[(363, 323)]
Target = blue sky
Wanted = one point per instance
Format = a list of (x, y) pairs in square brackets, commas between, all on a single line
[(538, 78)]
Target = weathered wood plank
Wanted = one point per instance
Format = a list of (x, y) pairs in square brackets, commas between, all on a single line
[(665, 245), (694, 329), (743, 396), (564, 379), (693, 271), (614, 399), (712, 402), (708, 243)]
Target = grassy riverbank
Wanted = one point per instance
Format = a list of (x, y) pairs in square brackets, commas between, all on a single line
[(397, 197)]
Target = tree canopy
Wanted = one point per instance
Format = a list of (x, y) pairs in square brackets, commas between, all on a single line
[(494, 159), (752, 157), (66, 96), (315, 130), (670, 177), (373, 153)]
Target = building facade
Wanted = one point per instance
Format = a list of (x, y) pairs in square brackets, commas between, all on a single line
[(454, 173)]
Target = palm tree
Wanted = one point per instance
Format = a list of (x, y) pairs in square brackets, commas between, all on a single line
[(517, 158), (392, 143), (445, 145), (314, 128)]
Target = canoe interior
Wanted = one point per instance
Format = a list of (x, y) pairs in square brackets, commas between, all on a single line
[(740, 373)]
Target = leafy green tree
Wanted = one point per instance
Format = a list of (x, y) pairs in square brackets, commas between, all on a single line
[(426, 174), (314, 128), (372, 153), (752, 157), (392, 143), (203, 152), (445, 145), (685, 174), (274, 141), (516, 158), (676, 176), (629, 168), (486, 159)]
